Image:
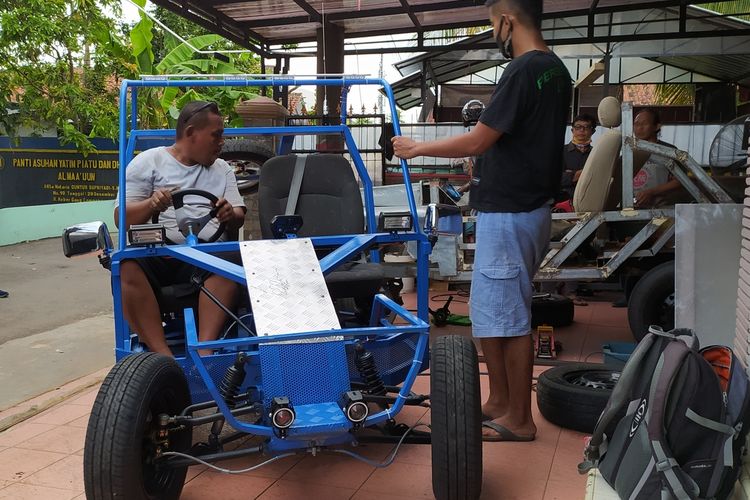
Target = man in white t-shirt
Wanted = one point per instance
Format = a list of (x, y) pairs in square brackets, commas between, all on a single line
[(151, 178)]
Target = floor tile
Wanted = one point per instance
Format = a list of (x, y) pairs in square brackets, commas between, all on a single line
[(82, 422), (414, 481), (16, 464), (23, 432), (65, 474), (194, 472), (20, 491), (284, 489), (273, 470), (369, 495), (215, 485), (62, 414), (62, 439), (86, 399), (330, 470)]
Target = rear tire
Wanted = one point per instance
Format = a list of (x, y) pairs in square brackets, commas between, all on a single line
[(117, 458), (551, 310), (652, 301), (456, 419), (573, 396)]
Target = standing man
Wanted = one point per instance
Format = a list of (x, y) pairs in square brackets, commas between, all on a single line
[(515, 180), (192, 162), (576, 152)]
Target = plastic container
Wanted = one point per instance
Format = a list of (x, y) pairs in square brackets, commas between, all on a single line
[(616, 354)]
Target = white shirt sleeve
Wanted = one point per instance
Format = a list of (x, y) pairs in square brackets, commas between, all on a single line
[(231, 192), (139, 178)]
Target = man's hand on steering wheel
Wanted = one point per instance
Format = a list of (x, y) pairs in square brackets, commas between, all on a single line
[(224, 210), (160, 200)]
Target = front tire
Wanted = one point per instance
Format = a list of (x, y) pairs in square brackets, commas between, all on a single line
[(456, 419), (119, 451)]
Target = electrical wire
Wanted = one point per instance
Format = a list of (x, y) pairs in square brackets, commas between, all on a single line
[(586, 359), (222, 469), (391, 457)]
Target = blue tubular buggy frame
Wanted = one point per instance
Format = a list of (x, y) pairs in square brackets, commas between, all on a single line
[(382, 335)]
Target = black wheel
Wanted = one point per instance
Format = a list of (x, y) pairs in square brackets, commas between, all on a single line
[(456, 419), (573, 396), (246, 156), (652, 301), (552, 310), (121, 440)]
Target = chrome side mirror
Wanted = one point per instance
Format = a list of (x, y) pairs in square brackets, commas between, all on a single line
[(442, 219), (86, 238)]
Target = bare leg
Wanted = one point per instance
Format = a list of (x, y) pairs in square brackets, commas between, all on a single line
[(497, 402), (140, 307), (210, 317), (518, 359)]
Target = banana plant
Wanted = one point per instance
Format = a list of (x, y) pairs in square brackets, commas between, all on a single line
[(159, 107)]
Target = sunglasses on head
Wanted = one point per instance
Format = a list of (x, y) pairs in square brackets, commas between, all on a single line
[(198, 110)]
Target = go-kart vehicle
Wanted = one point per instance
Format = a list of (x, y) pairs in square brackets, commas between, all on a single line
[(291, 371)]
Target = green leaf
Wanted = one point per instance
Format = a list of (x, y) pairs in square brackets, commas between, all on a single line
[(169, 96), (205, 66), (184, 52), (141, 36)]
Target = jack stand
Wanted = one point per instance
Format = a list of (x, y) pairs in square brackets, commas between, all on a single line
[(545, 343)]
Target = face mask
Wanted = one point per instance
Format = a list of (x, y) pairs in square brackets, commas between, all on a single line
[(506, 47)]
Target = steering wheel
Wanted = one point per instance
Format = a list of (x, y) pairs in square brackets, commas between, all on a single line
[(185, 224)]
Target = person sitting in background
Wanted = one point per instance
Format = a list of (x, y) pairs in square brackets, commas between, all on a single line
[(575, 154), (653, 181)]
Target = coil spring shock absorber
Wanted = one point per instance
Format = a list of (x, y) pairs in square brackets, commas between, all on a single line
[(230, 385), (365, 363)]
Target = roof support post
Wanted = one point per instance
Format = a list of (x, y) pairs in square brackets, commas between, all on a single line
[(330, 60)]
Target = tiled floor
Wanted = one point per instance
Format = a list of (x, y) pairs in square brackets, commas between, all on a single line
[(41, 458)]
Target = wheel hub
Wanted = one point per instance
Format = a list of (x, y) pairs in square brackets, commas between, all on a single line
[(601, 380)]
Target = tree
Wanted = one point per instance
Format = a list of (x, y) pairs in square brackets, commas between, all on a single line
[(53, 71), (61, 62), (159, 107)]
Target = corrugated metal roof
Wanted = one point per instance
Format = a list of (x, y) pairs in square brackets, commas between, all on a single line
[(270, 22), (729, 62)]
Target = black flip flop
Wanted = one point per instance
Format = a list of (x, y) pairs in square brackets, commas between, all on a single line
[(503, 434)]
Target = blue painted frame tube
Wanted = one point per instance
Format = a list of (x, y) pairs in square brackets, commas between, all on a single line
[(121, 177), (193, 345), (366, 181)]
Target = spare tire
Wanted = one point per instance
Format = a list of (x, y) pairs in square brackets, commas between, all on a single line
[(574, 395), (552, 310), (246, 155)]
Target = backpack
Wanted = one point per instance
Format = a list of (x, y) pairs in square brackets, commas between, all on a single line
[(683, 434)]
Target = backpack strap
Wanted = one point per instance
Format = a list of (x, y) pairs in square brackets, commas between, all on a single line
[(727, 460), (619, 398)]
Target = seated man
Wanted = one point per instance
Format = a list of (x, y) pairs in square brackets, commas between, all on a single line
[(575, 154), (653, 182), (190, 163)]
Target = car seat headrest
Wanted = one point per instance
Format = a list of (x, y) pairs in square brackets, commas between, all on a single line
[(610, 112)]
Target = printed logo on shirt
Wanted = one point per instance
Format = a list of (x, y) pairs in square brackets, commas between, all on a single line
[(548, 76), (641, 179)]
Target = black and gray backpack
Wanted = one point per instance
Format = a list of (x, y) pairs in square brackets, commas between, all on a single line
[(685, 425)]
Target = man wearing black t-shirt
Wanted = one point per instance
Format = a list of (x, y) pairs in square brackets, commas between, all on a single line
[(516, 177)]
